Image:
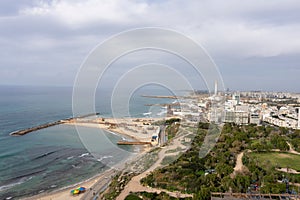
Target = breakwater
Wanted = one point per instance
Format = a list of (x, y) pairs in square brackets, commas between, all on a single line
[(163, 104), (132, 143), (43, 126), (35, 128), (160, 96)]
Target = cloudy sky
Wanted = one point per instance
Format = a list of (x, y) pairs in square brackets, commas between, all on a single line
[(254, 43)]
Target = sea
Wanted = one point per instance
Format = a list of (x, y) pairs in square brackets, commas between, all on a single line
[(55, 157)]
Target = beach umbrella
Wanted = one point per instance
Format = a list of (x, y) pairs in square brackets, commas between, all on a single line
[(76, 191), (81, 189)]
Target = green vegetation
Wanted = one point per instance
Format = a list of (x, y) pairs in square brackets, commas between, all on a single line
[(117, 185), (171, 130), (181, 174), (144, 162), (152, 196), (295, 139), (119, 181), (277, 160), (200, 176), (132, 197), (172, 127), (178, 149), (168, 160), (166, 122), (172, 120)]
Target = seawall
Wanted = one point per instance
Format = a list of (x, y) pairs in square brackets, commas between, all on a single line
[(43, 126)]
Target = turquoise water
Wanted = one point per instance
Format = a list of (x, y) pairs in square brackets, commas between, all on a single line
[(52, 158)]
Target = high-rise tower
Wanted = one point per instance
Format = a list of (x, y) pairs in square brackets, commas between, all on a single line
[(298, 117), (216, 88)]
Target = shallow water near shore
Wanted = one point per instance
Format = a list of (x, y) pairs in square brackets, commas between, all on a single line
[(51, 158)]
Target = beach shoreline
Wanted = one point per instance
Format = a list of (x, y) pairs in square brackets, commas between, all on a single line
[(64, 193), (102, 179)]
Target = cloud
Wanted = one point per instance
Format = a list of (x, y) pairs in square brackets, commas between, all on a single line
[(236, 33), (245, 40), (250, 28), (83, 13)]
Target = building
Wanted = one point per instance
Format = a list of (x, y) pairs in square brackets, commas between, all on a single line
[(229, 117), (241, 117), (254, 118), (242, 108), (236, 97)]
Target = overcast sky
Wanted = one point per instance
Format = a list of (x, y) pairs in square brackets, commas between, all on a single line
[(254, 43)]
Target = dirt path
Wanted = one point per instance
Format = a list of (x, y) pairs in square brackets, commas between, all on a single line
[(288, 170), (134, 184), (292, 149), (239, 164)]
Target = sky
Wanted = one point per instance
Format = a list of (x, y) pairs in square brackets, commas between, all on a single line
[(254, 43)]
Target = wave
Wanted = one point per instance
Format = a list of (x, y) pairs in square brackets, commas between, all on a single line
[(26, 176), (162, 112), (11, 153), (76, 167), (112, 132), (44, 155), (20, 181), (104, 157), (147, 113), (84, 154), (79, 183)]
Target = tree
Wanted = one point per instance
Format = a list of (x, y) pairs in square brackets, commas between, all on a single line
[(257, 146), (283, 130), (223, 169), (202, 194), (132, 197), (279, 142), (241, 183), (226, 183)]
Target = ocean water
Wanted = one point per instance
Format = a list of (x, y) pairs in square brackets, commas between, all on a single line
[(55, 157)]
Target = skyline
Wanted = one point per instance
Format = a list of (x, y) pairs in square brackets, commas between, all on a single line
[(255, 44)]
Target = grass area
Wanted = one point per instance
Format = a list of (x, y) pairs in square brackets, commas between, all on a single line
[(169, 159), (145, 161), (276, 159), (117, 185), (178, 149)]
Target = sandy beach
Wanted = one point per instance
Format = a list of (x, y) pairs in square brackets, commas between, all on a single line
[(65, 193), (137, 129)]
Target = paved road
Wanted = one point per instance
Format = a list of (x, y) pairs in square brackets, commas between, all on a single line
[(100, 186), (162, 135)]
